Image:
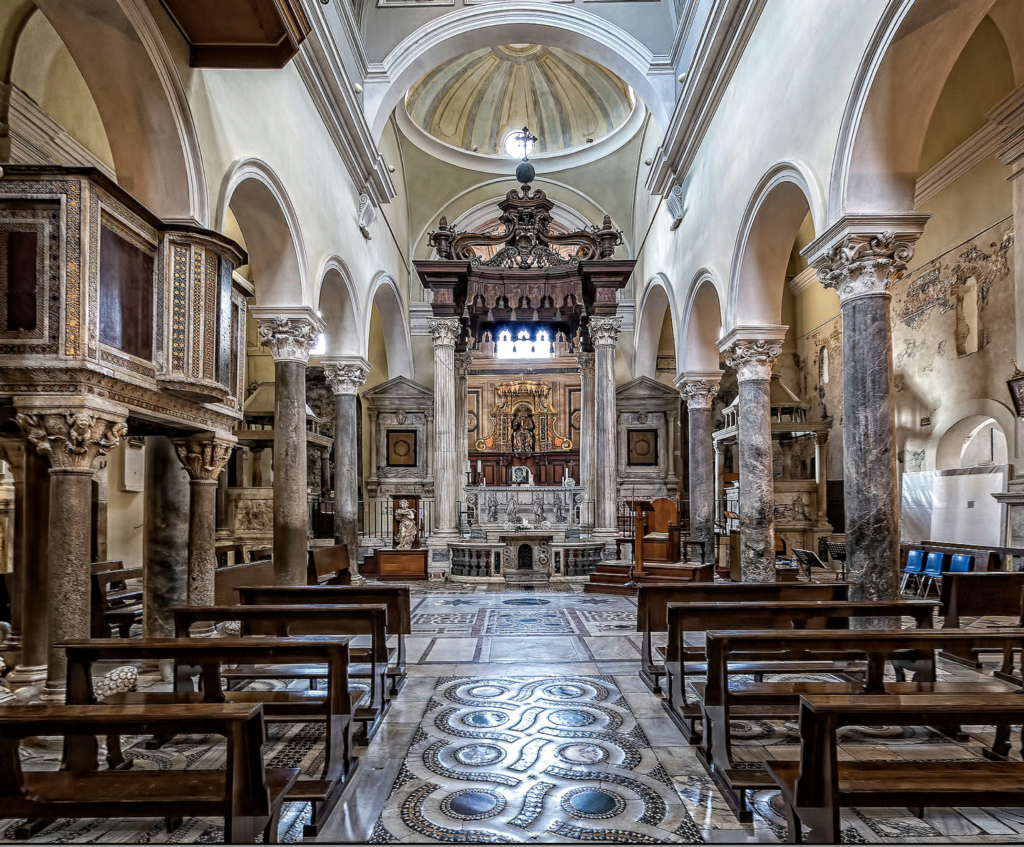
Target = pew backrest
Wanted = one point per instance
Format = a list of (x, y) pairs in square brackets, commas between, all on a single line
[(395, 597), (327, 561), (227, 580), (980, 593)]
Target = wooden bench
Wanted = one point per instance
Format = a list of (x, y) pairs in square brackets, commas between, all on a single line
[(206, 657), (652, 608), (311, 619), (395, 597), (328, 566), (246, 793), (682, 661), (819, 785), (227, 580), (113, 604), (908, 650), (975, 594), (985, 558)]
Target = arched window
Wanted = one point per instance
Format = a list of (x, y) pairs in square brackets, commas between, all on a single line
[(525, 346), (823, 366), (967, 317)]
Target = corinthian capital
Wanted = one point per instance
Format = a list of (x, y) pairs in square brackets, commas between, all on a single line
[(604, 332), (699, 391), (289, 333), (445, 331), (204, 455), (462, 363), (586, 363), (753, 358), (345, 376), (75, 438), (862, 256)]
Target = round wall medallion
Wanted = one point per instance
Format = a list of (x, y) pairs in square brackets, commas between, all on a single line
[(484, 718), (473, 804), (582, 754), (478, 755), (571, 717), (593, 803)]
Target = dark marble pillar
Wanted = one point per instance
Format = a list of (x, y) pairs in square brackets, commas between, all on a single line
[(73, 438), (699, 391), (290, 338), (345, 377), (165, 543), (862, 262), (753, 360), (12, 451), (204, 456)]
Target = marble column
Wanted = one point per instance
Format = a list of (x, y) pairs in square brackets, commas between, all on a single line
[(699, 391), (462, 362), (588, 467), (753, 360), (12, 451), (204, 456), (445, 332), (671, 425), (72, 437), (290, 337), (604, 334), (862, 264), (820, 471), (346, 377), (165, 541)]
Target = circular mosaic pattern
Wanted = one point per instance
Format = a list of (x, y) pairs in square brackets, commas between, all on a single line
[(473, 804), (571, 717), (593, 803), (565, 692), (484, 718), (526, 601), (486, 692), (582, 753), (478, 755)]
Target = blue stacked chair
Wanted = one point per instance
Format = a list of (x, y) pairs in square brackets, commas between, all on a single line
[(934, 565), (913, 569)]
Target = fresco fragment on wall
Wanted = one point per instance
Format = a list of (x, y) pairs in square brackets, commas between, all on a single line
[(825, 398)]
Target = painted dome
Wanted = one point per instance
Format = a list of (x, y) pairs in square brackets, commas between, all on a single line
[(475, 102)]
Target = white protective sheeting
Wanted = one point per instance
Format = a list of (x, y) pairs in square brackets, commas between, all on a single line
[(955, 506)]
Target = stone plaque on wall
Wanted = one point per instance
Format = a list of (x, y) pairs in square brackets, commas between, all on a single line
[(401, 448), (643, 446)]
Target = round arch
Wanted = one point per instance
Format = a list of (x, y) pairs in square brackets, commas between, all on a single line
[(899, 80), (386, 297), (654, 303), (515, 21), (769, 228), (339, 307), (121, 53), (267, 219), (947, 440), (697, 344)]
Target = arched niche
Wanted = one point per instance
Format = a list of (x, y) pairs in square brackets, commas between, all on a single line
[(956, 425), (958, 448), (265, 215), (338, 306), (697, 345), (386, 300)]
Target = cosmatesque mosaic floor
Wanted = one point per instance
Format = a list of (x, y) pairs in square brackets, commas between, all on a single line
[(524, 720)]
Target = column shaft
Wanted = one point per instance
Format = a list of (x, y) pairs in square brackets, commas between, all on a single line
[(702, 480), (588, 457), (291, 510), (445, 332), (346, 483), (462, 361), (604, 334), (165, 550), (757, 486)]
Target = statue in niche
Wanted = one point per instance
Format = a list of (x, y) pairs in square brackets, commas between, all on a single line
[(406, 526), (561, 515), (512, 509), (523, 429), (492, 508), (538, 509)]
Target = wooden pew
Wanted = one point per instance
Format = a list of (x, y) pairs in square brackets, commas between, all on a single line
[(205, 657), (395, 597), (113, 603), (335, 619), (247, 794), (985, 558), (907, 649), (652, 608), (682, 661), (328, 566), (815, 788), (227, 580), (975, 595)]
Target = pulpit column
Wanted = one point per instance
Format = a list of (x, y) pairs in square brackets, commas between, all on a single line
[(445, 332), (346, 377), (12, 451), (165, 554), (204, 456), (820, 471), (588, 457), (462, 362), (604, 334), (699, 391), (290, 335), (861, 259), (753, 359), (72, 436)]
